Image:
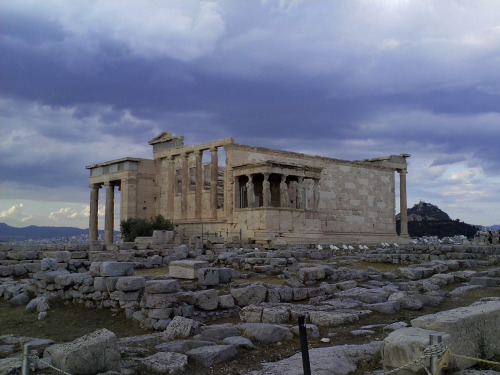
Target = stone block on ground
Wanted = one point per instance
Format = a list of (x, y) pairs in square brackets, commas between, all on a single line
[(251, 314), (204, 299), (88, 355), (181, 327), (266, 333), (239, 342), (20, 300), (474, 330), (275, 315), (218, 332), (208, 276), (252, 294), (33, 304), (116, 269), (226, 301), (312, 273), (332, 318), (330, 360), (207, 356), (162, 286), (130, 283), (186, 269), (405, 345), (182, 346), (165, 363)]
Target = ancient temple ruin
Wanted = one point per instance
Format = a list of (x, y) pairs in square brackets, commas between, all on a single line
[(258, 195)]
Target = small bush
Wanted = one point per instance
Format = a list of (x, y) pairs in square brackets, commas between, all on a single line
[(133, 227)]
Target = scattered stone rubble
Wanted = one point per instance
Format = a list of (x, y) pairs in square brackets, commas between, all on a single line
[(201, 285)]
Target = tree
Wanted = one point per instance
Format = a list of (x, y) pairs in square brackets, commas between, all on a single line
[(134, 227)]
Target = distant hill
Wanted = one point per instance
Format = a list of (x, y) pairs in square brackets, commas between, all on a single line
[(495, 227), (426, 219), (34, 232)]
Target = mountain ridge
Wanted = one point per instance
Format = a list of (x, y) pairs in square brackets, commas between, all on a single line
[(41, 232), (427, 219)]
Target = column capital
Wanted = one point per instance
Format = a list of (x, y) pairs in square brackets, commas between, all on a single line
[(402, 171), (95, 186), (213, 149), (109, 183)]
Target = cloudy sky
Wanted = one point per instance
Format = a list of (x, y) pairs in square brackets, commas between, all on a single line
[(83, 82)]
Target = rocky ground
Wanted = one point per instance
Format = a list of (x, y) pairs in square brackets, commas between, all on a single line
[(368, 329), (361, 307)]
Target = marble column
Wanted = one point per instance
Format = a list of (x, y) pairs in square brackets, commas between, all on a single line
[(109, 216), (94, 204), (402, 203), (214, 177), (266, 191), (199, 184), (171, 182), (185, 185)]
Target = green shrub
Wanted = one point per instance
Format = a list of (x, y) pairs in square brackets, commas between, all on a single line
[(133, 227)]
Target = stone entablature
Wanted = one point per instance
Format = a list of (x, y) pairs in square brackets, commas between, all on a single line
[(258, 192)]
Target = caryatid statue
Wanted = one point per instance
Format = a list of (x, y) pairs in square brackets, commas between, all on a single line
[(284, 199), (266, 191), (250, 192), (300, 193)]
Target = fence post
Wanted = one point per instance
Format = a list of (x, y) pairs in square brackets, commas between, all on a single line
[(303, 345), (435, 339), (25, 369)]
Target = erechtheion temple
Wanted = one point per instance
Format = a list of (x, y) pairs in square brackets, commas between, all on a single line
[(259, 194)]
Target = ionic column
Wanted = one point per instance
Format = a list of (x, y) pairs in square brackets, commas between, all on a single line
[(266, 191), (214, 177), (185, 185), (169, 214), (94, 204), (402, 203), (199, 184), (109, 215)]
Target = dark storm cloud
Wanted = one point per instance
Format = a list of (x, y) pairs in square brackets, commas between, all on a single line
[(84, 82)]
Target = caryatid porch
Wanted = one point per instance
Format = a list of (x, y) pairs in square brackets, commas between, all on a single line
[(277, 185)]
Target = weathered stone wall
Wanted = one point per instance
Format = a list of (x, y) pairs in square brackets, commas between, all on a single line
[(148, 252), (356, 200)]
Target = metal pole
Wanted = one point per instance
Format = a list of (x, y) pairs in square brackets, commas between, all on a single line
[(303, 345), (435, 339), (25, 369)]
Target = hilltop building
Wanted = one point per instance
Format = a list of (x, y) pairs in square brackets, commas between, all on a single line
[(260, 194)]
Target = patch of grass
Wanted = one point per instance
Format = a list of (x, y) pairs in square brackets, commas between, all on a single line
[(65, 322), (368, 365)]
